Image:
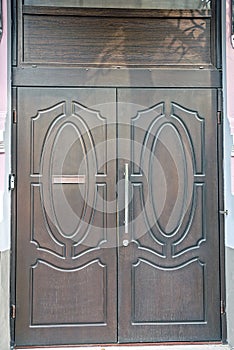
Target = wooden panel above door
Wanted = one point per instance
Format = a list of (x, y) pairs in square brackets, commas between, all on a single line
[(115, 37)]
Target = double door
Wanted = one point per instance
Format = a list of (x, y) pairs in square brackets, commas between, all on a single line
[(117, 216)]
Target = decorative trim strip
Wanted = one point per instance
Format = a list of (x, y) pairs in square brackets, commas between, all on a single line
[(69, 179)]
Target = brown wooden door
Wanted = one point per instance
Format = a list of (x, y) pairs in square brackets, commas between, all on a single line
[(169, 286), (66, 288), (117, 216)]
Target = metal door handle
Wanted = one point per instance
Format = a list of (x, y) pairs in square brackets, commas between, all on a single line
[(126, 198)]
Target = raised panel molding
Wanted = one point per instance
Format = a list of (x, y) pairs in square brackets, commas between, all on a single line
[(52, 155), (172, 159)]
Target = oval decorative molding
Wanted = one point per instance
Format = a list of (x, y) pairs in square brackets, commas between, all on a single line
[(68, 199), (168, 164), (67, 180)]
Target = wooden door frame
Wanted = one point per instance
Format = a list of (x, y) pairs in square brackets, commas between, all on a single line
[(200, 76), (119, 77)]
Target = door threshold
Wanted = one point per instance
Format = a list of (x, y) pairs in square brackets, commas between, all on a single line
[(157, 346)]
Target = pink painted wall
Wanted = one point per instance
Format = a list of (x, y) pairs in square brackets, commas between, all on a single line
[(3, 109), (3, 92), (3, 68), (230, 68), (230, 81)]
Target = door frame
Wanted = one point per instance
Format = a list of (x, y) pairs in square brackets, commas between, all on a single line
[(200, 78)]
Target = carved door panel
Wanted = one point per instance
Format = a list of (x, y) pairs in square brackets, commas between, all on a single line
[(169, 270), (66, 278)]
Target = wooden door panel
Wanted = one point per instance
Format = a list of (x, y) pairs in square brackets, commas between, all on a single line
[(169, 273), (183, 39), (66, 278)]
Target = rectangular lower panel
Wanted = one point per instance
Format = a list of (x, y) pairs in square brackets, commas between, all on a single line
[(73, 288), (169, 303)]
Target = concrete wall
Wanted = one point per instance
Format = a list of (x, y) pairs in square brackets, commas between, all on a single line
[(230, 294), (228, 59), (5, 166), (4, 300)]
